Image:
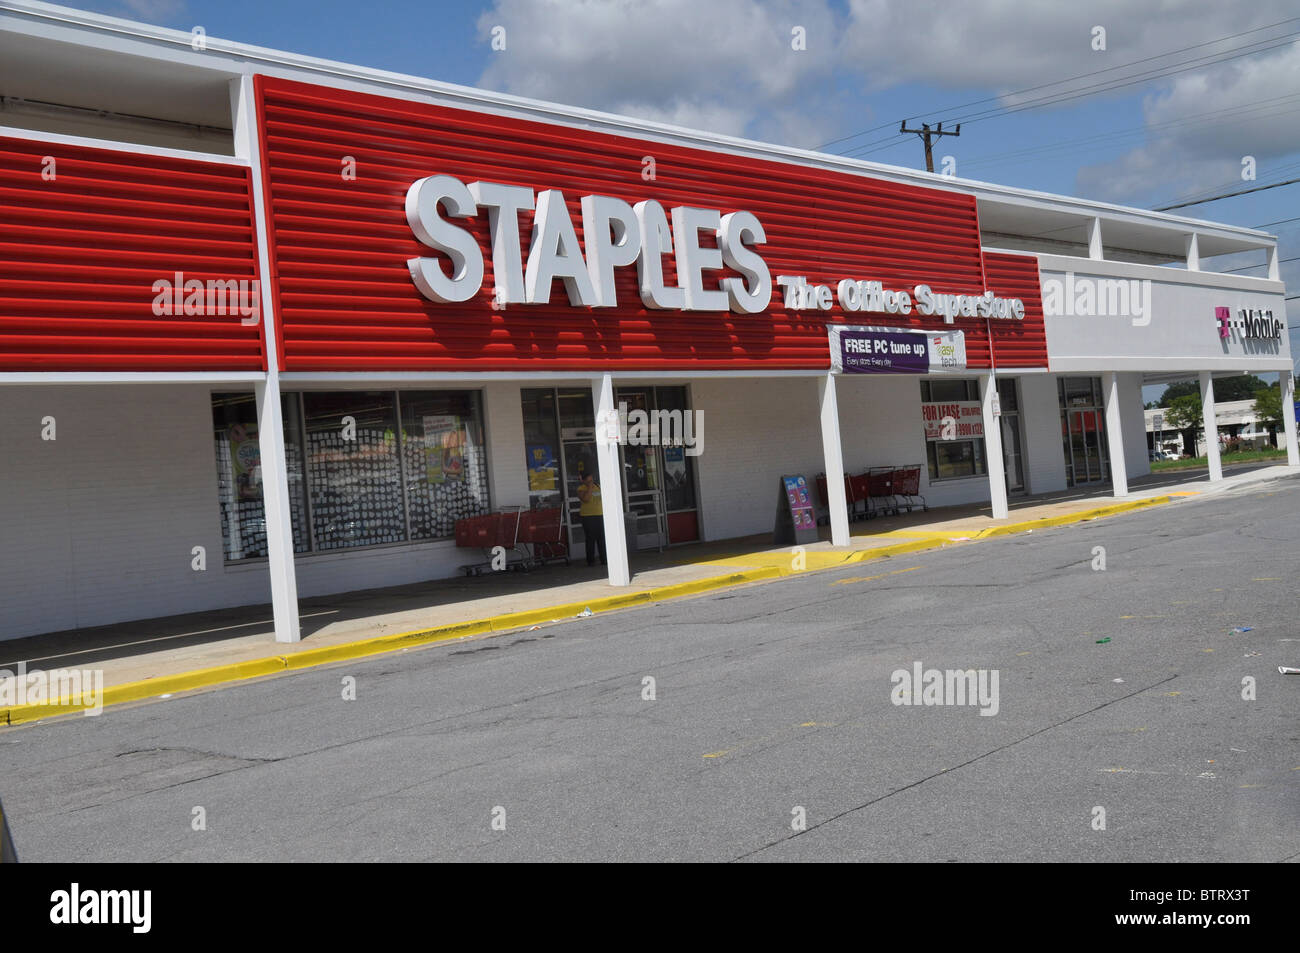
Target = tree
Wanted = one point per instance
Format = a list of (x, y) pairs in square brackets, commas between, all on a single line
[(1242, 387), (1238, 388), (1185, 412), (1268, 406), (1179, 389)]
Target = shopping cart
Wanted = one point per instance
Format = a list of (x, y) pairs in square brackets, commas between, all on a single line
[(857, 489), (493, 533), (907, 487), (543, 529), (881, 499), (850, 497)]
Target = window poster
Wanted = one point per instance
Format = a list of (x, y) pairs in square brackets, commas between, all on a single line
[(542, 468), (246, 459), (675, 467), (444, 448)]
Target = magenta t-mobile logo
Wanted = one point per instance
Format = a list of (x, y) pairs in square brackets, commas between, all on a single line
[(1221, 315)]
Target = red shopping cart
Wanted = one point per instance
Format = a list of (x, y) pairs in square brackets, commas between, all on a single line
[(881, 499), (851, 498), (493, 533), (857, 488), (543, 529), (907, 487)]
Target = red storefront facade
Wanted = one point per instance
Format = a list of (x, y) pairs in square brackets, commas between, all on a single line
[(471, 284), (338, 166)]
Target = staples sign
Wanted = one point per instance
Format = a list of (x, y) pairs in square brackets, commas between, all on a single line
[(617, 235)]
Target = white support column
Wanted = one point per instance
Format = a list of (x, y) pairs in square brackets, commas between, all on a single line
[(611, 478), (270, 425), (1095, 251), (1193, 249), (1211, 427), (275, 499), (993, 447), (1114, 434), (1286, 384), (1274, 271), (833, 451)]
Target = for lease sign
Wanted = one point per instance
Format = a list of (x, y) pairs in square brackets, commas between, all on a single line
[(953, 419)]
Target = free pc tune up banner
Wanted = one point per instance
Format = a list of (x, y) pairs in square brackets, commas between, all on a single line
[(869, 350)]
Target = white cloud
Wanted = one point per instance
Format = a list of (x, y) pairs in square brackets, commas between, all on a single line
[(726, 66), (1248, 107)]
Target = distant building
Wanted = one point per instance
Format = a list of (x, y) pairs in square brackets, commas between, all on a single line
[(1236, 420)]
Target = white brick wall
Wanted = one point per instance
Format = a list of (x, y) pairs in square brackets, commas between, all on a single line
[(1040, 412), (98, 525), (507, 464), (1133, 425), (755, 429), (758, 429)]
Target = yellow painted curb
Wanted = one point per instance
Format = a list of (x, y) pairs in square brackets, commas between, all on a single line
[(898, 549), (679, 589), (309, 658), (152, 687), (1050, 521)]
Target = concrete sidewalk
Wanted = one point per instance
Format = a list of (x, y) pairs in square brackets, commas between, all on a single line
[(180, 653)]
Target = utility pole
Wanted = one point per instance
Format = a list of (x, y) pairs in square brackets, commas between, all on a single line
[(925, 132)]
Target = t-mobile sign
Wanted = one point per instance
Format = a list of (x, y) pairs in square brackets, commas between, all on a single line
[(857, 350)]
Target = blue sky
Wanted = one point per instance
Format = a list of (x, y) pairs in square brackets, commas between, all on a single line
[(1205, 84)]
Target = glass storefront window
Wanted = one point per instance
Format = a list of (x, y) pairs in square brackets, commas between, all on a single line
[(953, 459), (445, 460), (239, 476), (541, 447), (679, 468), (353, 472)]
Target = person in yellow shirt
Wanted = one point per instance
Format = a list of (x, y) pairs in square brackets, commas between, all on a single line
[(592, 515)]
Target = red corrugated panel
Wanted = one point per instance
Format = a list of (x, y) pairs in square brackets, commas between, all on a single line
[(339, 246), (1016, 276), (81, 248)]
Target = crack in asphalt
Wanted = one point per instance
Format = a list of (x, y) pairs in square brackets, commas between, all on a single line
[(944, 771)]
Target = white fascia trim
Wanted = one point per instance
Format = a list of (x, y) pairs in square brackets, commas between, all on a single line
[(116, 146), (130, 377), (362, 378), (245, 58), (1229, 366), (1177, 276)]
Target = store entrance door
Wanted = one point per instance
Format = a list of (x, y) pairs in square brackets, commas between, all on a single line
[(1082, 424), (1012, 454), (658, 475), (560, 447), (579, 459)]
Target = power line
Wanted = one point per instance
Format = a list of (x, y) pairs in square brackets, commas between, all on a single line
[(1095, 89), (926, 133), (1070, 79), (1226, 195), (1281, 261), (1279, 222), (1270, 106), (1211, 191)]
